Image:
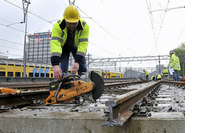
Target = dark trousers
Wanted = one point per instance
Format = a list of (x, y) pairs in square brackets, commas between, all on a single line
[(147, 77), (65, 62)]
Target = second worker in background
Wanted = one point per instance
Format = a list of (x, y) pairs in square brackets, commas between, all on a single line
[(146, 74), (69, 35)]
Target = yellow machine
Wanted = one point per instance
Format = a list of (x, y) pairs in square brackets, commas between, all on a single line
[(89, 86)]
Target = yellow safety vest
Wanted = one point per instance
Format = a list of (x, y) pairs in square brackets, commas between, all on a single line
[(153, 78), (174, 62), (158, 77), (146, 73), (165, 71), (59, 37)]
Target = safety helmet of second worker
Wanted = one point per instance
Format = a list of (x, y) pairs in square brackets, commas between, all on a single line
[(171, 52), (72, 17)]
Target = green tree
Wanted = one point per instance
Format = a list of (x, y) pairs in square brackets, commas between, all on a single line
[(180, 52)]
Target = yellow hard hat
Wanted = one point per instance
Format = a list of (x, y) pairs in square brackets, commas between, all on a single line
[(71, 14)]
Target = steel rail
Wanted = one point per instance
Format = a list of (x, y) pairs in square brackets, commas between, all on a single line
[(9, 100), (45, 85), (27, 86), (115, 84), (175, 83), (120, 107)]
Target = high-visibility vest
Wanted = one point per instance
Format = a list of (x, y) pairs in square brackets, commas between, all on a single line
[(174, 62), (158, 77), (146, 73), (59, 37), (153, 78), (166, 72)]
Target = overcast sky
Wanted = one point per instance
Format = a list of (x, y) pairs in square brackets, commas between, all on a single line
[(117, 28)]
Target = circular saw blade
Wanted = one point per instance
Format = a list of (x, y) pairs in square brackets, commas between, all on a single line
[(99, 85)]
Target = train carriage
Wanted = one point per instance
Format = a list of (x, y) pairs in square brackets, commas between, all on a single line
[(16, 70), (35, 70)]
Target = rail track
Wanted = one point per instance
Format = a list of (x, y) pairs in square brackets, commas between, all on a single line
[(125, 106), (120, 108), (39, 90)]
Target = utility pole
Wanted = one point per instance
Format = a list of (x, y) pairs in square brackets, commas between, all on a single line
[(25, 4), (159, 64)]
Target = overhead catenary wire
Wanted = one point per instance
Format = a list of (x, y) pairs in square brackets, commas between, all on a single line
[(162, 23), (34, 14), (11, 42), (169, 9), (94, 36), (102, 48), (54, 20), (160, 27), (11, 28)]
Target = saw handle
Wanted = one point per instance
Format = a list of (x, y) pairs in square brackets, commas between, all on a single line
[(65, 77)]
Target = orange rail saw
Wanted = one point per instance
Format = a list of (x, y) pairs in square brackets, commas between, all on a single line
[(89, 86)]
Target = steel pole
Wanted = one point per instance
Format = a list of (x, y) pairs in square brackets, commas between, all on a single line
[(25, 9)]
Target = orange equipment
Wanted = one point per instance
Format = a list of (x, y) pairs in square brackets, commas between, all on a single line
[(89, 86), (10, 91)]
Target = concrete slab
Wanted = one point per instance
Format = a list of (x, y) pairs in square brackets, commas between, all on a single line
[(82, 122)]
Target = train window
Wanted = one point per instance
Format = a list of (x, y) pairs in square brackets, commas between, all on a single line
[(36, 66), (36, 74), (17, 74), (31, 66), (2, 63), (10, 64), (30, 74), (2, 74), (47, 74), (10, 73), (47, 67), (42, 74), (17, 64), (51, 74)]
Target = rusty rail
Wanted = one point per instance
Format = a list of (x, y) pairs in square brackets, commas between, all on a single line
[(174, 83), (9, 100), (120, 107)]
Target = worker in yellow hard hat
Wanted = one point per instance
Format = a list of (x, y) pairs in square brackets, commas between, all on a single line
[(69, 35)]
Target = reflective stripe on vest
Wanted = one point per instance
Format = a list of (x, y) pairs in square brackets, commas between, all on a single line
[(57, 38), (83, 40)]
